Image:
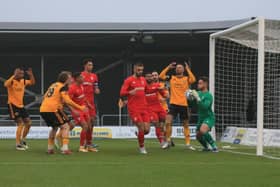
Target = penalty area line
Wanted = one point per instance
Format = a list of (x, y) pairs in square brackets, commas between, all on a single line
[(223, 150)]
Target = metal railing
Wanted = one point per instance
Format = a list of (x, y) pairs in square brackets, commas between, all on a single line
[(6, 120), (118, 118), (125, 120), (36, 120)]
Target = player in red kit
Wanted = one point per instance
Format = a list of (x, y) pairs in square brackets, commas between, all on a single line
[(156, 111), (91, 88), (134, 89), (82, 118)]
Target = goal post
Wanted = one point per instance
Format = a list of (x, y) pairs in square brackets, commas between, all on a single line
[(244, 72), (260, 87)]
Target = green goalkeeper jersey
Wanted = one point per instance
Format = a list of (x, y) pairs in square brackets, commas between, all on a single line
[(205, 106)]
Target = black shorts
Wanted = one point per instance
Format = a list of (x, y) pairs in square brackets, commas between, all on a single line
[(182, 111), (55, 119), (16, 112)]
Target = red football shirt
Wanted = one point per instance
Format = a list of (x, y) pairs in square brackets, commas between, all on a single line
[(152, 91), (77, 94), (90, 83), (138, 101)]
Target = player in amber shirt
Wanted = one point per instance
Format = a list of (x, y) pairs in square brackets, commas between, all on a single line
[(16, 87), (179, 84), (52, 111)]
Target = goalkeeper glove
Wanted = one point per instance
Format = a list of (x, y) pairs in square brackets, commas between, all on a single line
[(195, 95)]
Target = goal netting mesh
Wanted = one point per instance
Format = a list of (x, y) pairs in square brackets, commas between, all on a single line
[(235, 87)]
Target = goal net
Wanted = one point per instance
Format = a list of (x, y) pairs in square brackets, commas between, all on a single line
[(245, 81)]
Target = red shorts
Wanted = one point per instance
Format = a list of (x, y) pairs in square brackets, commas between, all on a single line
[(91, 110), (157, 114), (80, 117), (139, 116)]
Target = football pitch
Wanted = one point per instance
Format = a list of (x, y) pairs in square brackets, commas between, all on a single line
[(119, 164)]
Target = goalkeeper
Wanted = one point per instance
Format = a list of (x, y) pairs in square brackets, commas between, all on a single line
[(206, 117)]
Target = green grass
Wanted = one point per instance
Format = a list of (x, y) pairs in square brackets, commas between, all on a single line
[(119, 164)]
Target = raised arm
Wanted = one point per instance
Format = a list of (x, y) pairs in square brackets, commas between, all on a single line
[(191, 77), (163, 73), (9, 81), (31, 80)]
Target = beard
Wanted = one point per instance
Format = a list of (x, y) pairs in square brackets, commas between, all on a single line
[(178, 73), (138, 74), (149, 81)]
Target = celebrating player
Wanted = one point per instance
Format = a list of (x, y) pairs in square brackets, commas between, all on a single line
[(179, 84), (206, 117), (76, 93), (91, 88), (134, 89), (52, 111), (16, 87), (156, 111)]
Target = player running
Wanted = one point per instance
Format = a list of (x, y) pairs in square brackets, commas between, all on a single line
[(134, 89), (156, 111), (91, 88), (206, 116), (52, 112), (82, 118), (16, 87), (179, 84)]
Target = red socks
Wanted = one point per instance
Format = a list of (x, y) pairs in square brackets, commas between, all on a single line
[(89, 136), (159, 134), (141, 136), (83, 137)]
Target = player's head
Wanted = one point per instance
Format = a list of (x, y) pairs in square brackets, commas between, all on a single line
[(19, 73), (78, 78), (88, 64), (203, 83), (138, 69), (180, 69), (149, 77), (64, 77), (155, 76)]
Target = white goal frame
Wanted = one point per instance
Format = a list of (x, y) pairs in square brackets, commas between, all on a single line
[(260, 80)]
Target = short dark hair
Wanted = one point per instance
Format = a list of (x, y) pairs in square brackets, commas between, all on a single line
[(147, 72), (76, 75), (180, 64), (86, 60), (138, 64), (155, 71), (63, 76), (21, 68), (204, 79)]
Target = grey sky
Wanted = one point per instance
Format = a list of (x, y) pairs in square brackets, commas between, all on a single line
[(135, 11)]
